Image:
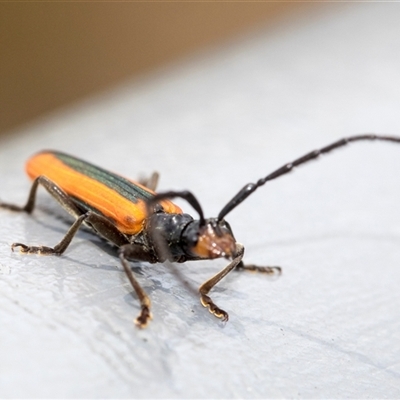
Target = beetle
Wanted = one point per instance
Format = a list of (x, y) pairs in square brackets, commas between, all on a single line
[(146, 226)]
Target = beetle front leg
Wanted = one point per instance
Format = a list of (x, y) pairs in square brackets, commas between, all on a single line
[(204, 289)]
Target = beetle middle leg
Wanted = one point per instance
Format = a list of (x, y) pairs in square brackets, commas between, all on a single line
[(151, 182), (138, 252)]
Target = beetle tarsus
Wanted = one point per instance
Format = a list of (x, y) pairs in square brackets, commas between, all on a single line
[(144, 317), (42, 250), (12, 207), (23, 247), (213, 309), (274, 270)]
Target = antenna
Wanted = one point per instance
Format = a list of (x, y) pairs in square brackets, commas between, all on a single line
[(248, 189)]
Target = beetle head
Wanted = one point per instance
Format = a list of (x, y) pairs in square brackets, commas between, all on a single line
[(212, 239)]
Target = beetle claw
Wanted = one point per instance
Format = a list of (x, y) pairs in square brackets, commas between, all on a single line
[(144, 317)]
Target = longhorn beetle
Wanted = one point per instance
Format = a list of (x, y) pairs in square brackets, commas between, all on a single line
[(146, 226)]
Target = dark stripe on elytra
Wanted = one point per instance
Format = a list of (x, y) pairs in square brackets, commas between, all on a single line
[(84, 207), (115, 182)]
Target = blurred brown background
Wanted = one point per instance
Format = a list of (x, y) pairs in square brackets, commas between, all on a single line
[(53, 53)]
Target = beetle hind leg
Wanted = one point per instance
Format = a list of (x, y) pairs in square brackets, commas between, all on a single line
[(53, 189), (59, 248), (97, 222)]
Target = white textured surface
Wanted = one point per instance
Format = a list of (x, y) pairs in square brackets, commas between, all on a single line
[(327, 328)]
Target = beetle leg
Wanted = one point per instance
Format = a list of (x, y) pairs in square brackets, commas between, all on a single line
[(139, 253), (64, 200), (99, 223), (53, 189), (59, 248), (208, 285), (150, 183), (255, 268)]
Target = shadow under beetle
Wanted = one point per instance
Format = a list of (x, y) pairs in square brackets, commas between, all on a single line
[(146, 226)]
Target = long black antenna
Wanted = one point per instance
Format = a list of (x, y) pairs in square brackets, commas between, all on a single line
[(251, 187)]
